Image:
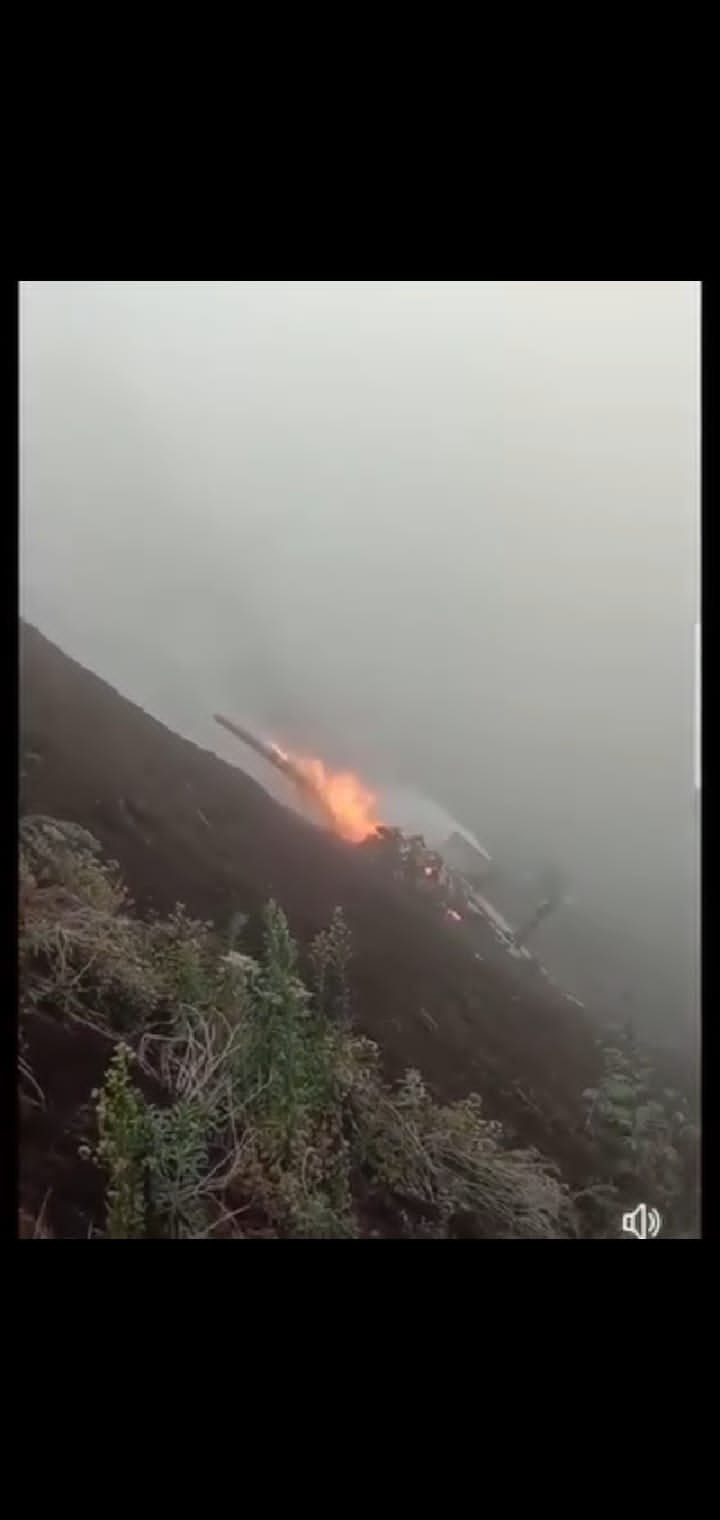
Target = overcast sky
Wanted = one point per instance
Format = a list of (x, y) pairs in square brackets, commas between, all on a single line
[(445, 532)]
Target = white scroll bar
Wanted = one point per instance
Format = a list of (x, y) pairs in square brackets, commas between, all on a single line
[(697, 756)]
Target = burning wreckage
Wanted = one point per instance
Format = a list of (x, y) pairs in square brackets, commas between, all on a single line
[(450, 876), (336, 798)]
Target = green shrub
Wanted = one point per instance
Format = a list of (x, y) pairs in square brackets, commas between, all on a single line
[(122, 1148), (453, 1160), (183, 953), (646, 1131), (79, 948), (330, 956), (178, 1165), (64, 855)]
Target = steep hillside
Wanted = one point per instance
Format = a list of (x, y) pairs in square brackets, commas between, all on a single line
[(170, 1088), (186, 827)]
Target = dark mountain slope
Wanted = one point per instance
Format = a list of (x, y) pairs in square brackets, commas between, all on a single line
[(186, 826)]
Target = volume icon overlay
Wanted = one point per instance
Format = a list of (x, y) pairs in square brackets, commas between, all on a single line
[(643, 1222)]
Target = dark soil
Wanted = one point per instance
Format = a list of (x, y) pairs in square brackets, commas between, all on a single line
[(186, 826), (68, 1060)]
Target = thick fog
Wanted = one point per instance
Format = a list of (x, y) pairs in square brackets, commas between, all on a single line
[(443, 532)]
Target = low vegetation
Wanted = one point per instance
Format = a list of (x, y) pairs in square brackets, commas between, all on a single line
[(646, 1133), (238, 1100)]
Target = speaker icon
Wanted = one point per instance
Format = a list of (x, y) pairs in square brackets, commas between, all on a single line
[(643, 1222)]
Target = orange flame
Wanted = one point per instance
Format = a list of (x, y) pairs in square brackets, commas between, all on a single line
[(348, 803)]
